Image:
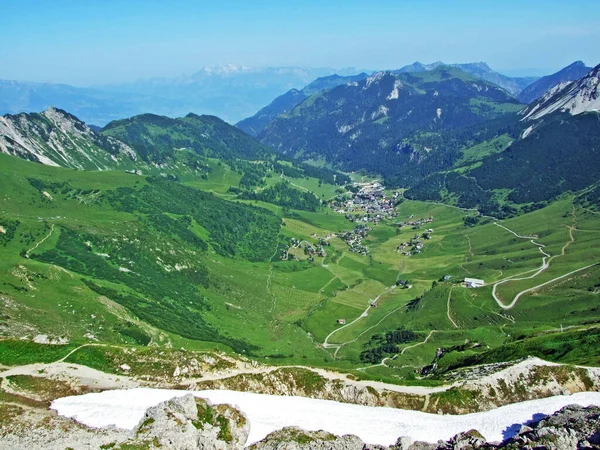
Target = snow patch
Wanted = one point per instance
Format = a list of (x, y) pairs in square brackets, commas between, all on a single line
[(268, 413)]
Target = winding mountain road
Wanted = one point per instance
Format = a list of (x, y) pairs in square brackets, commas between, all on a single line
[(546, 259)]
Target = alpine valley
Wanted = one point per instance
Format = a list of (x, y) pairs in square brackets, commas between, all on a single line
[(423, 239)]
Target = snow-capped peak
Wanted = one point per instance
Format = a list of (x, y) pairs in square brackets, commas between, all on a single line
[(575, 98)]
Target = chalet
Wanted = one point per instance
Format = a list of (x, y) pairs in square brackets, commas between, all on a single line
[(473, 283), (447, 277), (341, 321)]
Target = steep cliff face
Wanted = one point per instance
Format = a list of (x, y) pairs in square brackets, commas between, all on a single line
[(56, 138), (564, 76), (577, 97)]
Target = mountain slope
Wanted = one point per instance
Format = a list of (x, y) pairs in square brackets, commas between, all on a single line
[(55, 137), (513, 85), (157, 138), (402, 125), (146, 243), (256, 124), (582, 95), (539, 87), (556, 153)]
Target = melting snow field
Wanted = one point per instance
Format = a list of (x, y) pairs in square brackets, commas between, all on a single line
[(267, 413)]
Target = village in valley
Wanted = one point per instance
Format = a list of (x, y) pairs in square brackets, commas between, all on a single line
[(365, 205)]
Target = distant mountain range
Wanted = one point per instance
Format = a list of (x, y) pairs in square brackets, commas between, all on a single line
[(230, 92), (512, 85)]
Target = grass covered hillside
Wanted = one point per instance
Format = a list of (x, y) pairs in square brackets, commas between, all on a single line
[(118, 258)]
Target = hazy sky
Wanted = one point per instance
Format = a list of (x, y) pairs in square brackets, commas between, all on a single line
[(97, 41)]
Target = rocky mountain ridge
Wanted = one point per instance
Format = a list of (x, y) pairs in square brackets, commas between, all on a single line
[(57, 138), (141, 143), (513, 85), (539, 87), (577, 97), (284, 103)]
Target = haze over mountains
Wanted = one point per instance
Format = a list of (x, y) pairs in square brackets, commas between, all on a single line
[(333, 229), (230, 92)]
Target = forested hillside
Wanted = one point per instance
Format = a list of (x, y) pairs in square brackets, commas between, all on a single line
[(157, 138), (401, 125)]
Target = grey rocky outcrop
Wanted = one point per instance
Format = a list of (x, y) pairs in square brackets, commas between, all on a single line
[(187, 423)]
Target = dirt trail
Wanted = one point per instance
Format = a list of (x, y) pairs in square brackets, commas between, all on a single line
[(40, 242), (101, 380), (365, 313), (419, 343), (448, 308)]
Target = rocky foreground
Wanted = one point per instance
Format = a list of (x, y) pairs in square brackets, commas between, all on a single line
[(188, 423)]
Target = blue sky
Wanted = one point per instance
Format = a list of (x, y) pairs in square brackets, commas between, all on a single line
[(90, 42)]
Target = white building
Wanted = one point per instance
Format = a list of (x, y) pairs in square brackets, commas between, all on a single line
[(473, 282)]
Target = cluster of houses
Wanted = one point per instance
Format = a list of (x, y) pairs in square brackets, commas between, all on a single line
[(415, 245), (415, 223), (355, 237), (369, 204), (404, 284), (311, 250)]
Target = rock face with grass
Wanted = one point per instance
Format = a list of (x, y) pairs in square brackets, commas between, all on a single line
[(189, 423), (294, 438)]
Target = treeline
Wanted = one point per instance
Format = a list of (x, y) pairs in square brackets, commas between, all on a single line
[(464, 190), (170, 317), (235, 229), (560, 155), (300, 170), (589, 199), (282, 194), (9, 227), (383, 345)]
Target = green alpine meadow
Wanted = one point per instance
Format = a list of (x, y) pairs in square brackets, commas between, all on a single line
[(260, 226)]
